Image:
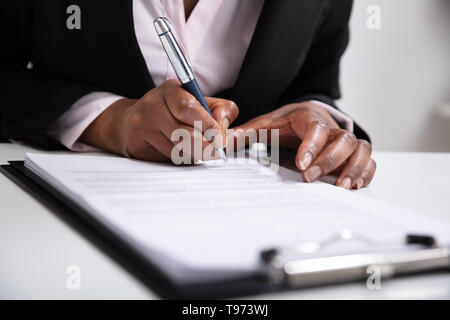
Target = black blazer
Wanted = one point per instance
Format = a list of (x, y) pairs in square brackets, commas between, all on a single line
[(294, 56)]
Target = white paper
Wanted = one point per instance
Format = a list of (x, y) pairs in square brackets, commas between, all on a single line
[(220, 216)]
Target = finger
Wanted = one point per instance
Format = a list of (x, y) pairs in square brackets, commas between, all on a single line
[(355, 166), (189, 149), (185, 108), (367, 175), (189, 142), (224, 111), (314, 141), (191, 146), (157, 129), (332, 156)]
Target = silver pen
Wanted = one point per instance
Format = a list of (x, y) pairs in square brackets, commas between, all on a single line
[(181, 64)]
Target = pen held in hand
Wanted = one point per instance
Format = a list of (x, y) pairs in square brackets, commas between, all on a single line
[(167, 34)]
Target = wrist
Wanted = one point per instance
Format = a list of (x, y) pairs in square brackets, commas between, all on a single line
[(108, 130)]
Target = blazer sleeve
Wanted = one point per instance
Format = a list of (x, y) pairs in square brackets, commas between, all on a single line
[(318, 79), (29, 101)]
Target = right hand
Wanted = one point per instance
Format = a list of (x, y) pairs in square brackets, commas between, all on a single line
[(142, 128)]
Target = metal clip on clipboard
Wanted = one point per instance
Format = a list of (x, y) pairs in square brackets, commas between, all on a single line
[(303, 266)]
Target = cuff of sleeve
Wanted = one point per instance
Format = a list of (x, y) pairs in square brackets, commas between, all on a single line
[(344, 121), (68, 128)]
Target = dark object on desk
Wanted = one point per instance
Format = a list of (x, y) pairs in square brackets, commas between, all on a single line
[(427, 241)]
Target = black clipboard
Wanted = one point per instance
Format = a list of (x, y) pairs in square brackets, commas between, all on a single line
[(161, 283), (120, 250)]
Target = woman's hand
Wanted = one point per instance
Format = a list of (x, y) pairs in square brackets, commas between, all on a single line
[(142, 129), (322, 147)]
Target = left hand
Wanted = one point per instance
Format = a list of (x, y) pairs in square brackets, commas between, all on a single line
[(322, 146)]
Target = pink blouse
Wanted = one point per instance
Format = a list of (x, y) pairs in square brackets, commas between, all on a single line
[(216, 36)]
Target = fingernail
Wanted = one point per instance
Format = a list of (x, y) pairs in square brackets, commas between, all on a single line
[(312, 173), (346, 183), (359, 183), (305, 161)]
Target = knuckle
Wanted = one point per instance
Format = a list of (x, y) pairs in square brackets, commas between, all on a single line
[(299, 114), (365, 144), (350, 138), (135, 121), (355, 171), (304, 111), (187, 101), (370, 169), (321, 125), (312, 147), (186, 105), (329, 162), (232, 106)]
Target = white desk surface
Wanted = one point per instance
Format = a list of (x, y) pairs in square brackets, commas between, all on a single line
[(36, 247)]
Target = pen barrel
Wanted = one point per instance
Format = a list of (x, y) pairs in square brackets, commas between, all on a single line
[(193, 88)]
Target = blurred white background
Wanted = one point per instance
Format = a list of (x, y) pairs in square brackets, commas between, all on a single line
[(395, 79)]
